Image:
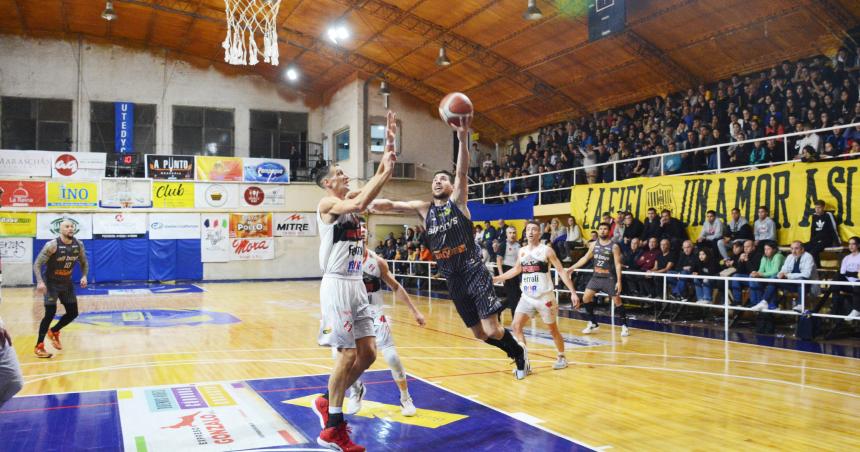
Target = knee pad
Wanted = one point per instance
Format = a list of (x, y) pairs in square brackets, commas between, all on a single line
[(393, 361)]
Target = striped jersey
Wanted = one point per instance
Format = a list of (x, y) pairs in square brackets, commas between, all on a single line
[(451, 238), (536, 280), (341, 246)]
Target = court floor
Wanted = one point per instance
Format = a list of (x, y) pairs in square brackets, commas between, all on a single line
[(149, 368)]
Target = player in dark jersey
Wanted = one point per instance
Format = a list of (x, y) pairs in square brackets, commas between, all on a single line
[(606, 277), (452, 240), (59, 256)]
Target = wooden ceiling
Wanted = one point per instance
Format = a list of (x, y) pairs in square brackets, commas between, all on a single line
[(520, 74)]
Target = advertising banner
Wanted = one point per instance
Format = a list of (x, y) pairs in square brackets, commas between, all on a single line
[(16, 250), (215, 237), (22, 193), (171, 226), (48, 225), (79, 165), (120, 225), (17, 224), (73, 195), (173, 195), (262, 195), (255, 225), (788, 190), (252, 249), (174, 167), (294, 224), (266, 170), (216, 196), (26, 163), (126, 193), (123, 137), (218, 168)]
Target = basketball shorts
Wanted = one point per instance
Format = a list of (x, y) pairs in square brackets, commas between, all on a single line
[(544, 305), (473, 294), (64, 292), (346, 314), (601, 282), (381, 328)]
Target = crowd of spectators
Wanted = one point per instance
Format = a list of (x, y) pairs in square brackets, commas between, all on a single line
[(791, 97)]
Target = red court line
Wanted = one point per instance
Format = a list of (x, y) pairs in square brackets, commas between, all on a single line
[(87, 405)]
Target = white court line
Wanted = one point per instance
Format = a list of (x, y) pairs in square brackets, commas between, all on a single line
[(527, 418)]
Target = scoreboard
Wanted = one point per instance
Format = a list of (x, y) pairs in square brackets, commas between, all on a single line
[(606, 18)]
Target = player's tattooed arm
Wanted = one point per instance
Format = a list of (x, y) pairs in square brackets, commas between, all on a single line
[(47, 251), (85, 263)]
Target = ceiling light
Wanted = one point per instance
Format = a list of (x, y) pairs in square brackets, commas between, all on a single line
[(532, 12), (443, 58), (337, 33), (292, 74), (109, 14), (384, 89)]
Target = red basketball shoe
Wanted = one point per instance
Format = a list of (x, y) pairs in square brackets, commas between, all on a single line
[(54, 337), (320, 407), (337, 438)]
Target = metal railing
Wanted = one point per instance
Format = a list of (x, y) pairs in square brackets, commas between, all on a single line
[(725, 281), (478, 190)]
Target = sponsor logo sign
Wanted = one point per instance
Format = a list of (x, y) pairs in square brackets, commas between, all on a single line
[(214, 238), (250, 225), (26, 163), (262, 195), (243, 249), (126, 193), (173, 195), (218, 168), (18, 193), (216, 196), (72, 195), (294, 224), (168, 226), (266, 170), (170, 166), (49, 225), (79, 165), (16, 250), (119, 225)]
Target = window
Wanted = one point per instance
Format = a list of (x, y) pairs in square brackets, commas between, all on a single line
[(36, 124), (102, 127), (274, 135), (377, 134), (341, 145), (199, 130)]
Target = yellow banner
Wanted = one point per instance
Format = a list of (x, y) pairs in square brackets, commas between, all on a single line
[(218, 168), (789, 190), (17, 224), (73, 195), (173, 195)]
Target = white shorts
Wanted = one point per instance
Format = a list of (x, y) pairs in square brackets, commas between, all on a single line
[(381, 328), (545, 305), (346, 314)]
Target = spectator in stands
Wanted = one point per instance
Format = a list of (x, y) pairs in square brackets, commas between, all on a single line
[(664, 264), (574, 237), (684, 265), (706, 265), (620, 228), (489, 237), (390, 251), (593, 238), (507, 255), (812, 139), (380, 248), (712, 232), (425, 253), (764, 229), (651, 226), (748, 262), (628, 262), (799, 265), (770, 266), (672, 229), (646, 262), (737, 229), (848, 272), (632, 228), (558, 234), (823, 232)]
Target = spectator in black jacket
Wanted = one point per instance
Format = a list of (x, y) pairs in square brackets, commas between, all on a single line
[(737, 229), (748, 262), (683, 265), (706, 265), (823, 232), (651, 226), (628, 262), (672, 229), (632, 228)]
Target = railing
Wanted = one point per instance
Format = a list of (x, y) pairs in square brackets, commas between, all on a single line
[(478, 190), (725, 306)]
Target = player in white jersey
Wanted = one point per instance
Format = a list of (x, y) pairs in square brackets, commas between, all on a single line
[(346, 323), (375, 271), (537, 287)]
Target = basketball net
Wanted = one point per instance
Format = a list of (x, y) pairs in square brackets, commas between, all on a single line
[(246, 19)]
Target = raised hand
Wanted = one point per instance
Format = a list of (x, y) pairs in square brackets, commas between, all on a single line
[(390, 130)]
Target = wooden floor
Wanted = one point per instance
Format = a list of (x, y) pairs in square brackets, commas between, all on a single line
[(647, 392)]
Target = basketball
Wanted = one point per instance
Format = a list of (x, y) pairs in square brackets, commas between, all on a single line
[(454, 108)]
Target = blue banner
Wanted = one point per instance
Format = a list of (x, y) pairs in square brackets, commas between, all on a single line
[(523, 209), (123, 138)]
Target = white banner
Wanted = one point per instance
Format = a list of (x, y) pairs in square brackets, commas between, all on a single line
[(22, 164), (263, 195), (294, 224), (216, 196), (16, 250), (120, 225), (79, 165), (168, 226), (48, 225), (244, 249), (126, 193), (214, 237)]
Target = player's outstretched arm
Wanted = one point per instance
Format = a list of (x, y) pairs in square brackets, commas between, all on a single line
[(513, 272), (400, 293), (461, 175), (563, 274), (417, 207), (583, 260)]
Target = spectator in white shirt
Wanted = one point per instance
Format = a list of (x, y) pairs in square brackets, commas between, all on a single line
[(799, 265), (764, 228)]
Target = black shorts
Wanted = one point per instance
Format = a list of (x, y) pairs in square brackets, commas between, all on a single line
[(63, 292), (602, 282), (473, 294)]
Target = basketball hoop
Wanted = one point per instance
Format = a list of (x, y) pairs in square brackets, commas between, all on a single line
[(246, 19)]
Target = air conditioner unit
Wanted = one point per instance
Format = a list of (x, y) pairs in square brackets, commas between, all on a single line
[(401, 170)]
